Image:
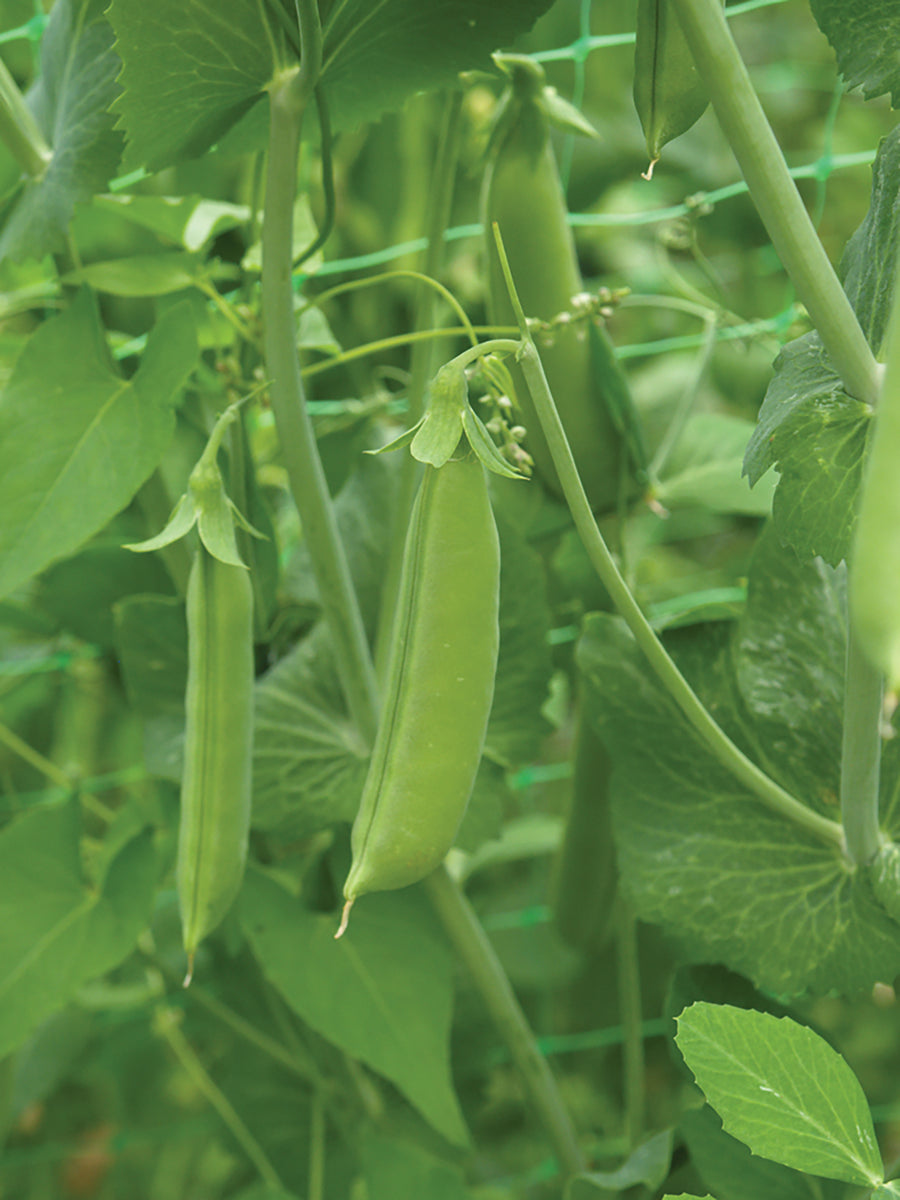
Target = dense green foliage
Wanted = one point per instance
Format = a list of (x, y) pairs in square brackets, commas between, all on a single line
[(659, 957)]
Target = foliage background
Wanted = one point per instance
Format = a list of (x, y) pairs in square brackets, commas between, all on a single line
[(92, 1107)]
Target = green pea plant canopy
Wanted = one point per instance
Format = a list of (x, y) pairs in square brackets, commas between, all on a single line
[(449, 624)]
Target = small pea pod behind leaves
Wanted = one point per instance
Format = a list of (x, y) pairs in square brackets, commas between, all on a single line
[(669, 94)]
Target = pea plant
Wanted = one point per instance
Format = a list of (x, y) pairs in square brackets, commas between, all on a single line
[(401, 684)]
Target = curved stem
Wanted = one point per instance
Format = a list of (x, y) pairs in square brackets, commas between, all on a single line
[(861, 754), (775, 194), (717, 741), (298, 443), (399, 339), (472, 945), (165, 1023)]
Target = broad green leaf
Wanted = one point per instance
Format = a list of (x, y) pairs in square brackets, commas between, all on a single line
[(392, 1169), (814, 434), (383, 993), (375, 56), (56, 931), (729, 880), (648, 1164), (705, 468), (782, 1090), (77, 440), (188, 221), (789, 650), (193, 68), (190, 69), (71, 102), (309, 760), (729, 1169), (151, 642), (863, 36), (141, 274)]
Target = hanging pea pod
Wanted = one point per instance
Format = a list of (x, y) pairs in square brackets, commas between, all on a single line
[(523, 194), (669, 94), (218, 749), (440, 684)]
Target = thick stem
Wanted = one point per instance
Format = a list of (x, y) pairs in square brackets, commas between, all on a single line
[(716, 740), (295, 430), (861, 754), (472, 945), (775, 194), (18, 129)]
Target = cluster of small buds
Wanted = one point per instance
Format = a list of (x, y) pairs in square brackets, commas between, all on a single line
[(508, 437), (584, 307)]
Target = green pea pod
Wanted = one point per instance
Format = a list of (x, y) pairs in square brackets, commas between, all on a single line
[(216, 783), (440, 685), (586, 875), (669, 94), (523, 194), (874, 581)]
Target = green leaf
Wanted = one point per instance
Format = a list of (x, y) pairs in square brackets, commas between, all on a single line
[(71, 102), (485, 449), (863, 36), (141, 274), (790, 645), (730, 881), (392, 1169), (383, 994), (77, 440), (815, 436), (705, 469), (309, 761), (729, 1169), (525, 662), (57, 932), (648, 1164), (187, 221), (191, 68), (782, 1090), (151, 642), (377, 56), (448, 398)]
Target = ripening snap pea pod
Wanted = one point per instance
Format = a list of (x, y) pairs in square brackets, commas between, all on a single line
[(669, 94), (440, 684), (523, 194), (874, 578), (218, 746)]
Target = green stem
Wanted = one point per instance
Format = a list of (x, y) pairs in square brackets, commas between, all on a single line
[(775, 194), (18, 129), (165, 1023), (298, 443), (717, 741), (630, 1014), (861, 754), (34, 758), (472, 945), (315, 1189), (398, 339)]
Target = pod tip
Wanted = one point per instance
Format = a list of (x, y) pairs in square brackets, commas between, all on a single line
[(186, 982), (648, 174), (345, 920)]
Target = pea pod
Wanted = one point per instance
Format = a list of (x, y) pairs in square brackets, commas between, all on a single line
[(874, 581), (218, 749), (523, 194), (440, 685), (669, 94)]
